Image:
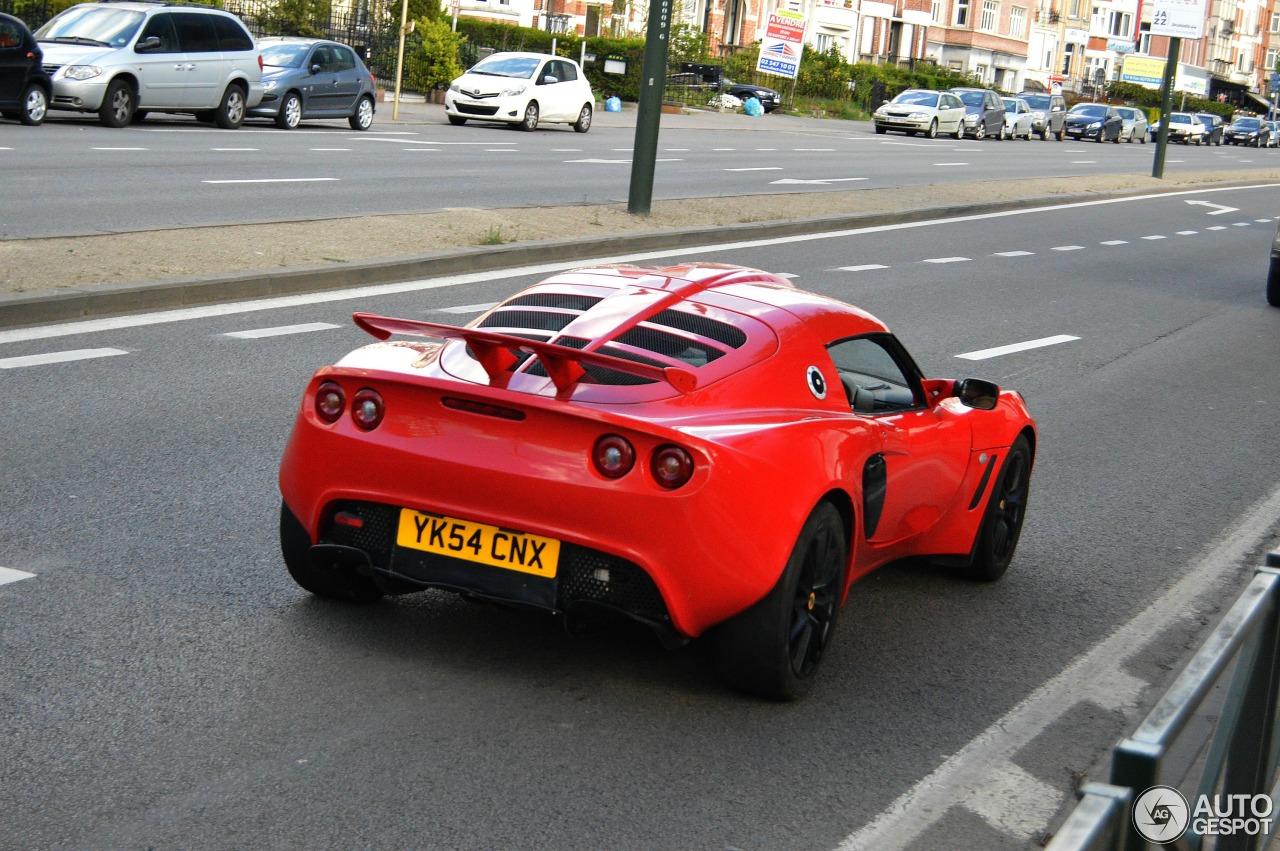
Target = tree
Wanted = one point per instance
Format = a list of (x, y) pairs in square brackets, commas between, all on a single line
[(433, 64)]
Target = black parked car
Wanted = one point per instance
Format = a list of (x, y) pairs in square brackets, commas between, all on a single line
[(24, 86), (1213, 127), (1273, 275), (691, 81), (1253, 132), (1095, 121)]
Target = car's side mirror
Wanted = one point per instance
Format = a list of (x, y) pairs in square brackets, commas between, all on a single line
[(315, 69), (549, 79), (151, 42), (976, 393)]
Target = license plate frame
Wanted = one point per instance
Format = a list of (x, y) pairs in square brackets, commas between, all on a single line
[(481, 543)]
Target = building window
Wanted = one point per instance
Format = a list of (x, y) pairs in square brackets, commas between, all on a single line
[(1017, 20), (1075, 8), (822, 41), (935, 11), (1120, 24), (962, 13), (1144, 39), (980, 71), (1275, 22), (988, 22), (1273, 56)]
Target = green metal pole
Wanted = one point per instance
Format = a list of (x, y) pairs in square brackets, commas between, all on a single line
[(1166, 106), (653, 77)]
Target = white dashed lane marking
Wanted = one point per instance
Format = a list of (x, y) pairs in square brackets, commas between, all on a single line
[(467, 308), (984, 354), (120, 149), (1015, 254), (8, 574), (281, 330), (947, 260), (278, 180), (1068, 248), (1154, 236), (1115, 242), (58, 357), (866, 267)]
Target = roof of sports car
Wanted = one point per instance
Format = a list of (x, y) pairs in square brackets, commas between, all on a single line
[(679, 327)]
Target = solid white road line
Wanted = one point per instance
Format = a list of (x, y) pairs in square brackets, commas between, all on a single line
[(59, 357), (119, 149), (247, 150), (281, 330), (278, 180), (468, 308), (983, 354), (8, 574), (759, 168), (1098, 675), (86, 326)]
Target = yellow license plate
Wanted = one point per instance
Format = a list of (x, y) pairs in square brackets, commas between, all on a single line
[(449, 536)]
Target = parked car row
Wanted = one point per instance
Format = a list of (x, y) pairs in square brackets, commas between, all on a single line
[(127, 58)]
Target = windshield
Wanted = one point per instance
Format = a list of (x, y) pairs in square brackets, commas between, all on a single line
[(508, 66), (1179, 118), (1092, 110), (1037, 101), (918, 98), (284, 55), (971, 98), (92, 25), (1011, 104), (1248, 123)]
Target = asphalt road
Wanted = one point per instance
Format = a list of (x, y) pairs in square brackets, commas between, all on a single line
[(73, 176), (165, 684)]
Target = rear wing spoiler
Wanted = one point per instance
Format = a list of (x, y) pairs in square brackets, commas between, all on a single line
[(497, 353)]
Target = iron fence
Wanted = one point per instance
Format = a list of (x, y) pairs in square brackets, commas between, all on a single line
[(1239, 759)]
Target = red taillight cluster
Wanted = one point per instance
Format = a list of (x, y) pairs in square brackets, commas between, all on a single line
[(367, 407), (613, 456)]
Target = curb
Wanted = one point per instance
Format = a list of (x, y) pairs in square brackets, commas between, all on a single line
[(19, 309)]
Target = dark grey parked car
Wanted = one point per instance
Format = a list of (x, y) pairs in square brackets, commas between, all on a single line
[(1213, 127), (985, 113), (313, 78)]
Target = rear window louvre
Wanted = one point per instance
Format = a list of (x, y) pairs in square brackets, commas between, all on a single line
[(692, 323)]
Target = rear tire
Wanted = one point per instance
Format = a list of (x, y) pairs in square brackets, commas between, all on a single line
[(230, 112), (35, 106), (333, 582), (362, 118), (774, 648), (1273, 283), (1002, 521)]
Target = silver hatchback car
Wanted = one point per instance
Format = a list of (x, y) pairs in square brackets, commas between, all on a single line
[(1135, 124), (125, 59)]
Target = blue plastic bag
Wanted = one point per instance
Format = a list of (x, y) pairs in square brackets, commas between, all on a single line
[(753, 107), (613, 105)]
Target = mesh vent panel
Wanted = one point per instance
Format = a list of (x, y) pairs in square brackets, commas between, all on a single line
[(702, 326)]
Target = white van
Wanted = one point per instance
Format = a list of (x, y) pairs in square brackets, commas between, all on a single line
[(124, 59)]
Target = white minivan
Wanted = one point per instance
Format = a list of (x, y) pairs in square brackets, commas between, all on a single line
[(125, 59)]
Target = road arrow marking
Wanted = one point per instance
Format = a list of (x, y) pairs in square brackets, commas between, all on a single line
[(8, 574), (1218, 209), (823, 182)]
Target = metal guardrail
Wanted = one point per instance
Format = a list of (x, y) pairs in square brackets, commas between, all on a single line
[(1243, 749)]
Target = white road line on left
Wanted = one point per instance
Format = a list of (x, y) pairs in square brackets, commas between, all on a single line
[(8, 574), (983, 354), (279, 180), (58, 357), (467, 308), (281, 330)]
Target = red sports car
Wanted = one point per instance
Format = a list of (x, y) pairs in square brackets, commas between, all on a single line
[(704, 448)]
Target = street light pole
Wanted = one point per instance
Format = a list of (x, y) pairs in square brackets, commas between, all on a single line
[(404, 22)]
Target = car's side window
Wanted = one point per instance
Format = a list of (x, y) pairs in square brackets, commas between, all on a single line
[(161, 27), (9, 35), (565, 72), (196, 33), (873, 378), (322, 57), (231, 36), (343, 59)]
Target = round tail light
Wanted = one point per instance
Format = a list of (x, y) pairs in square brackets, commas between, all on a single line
[(330, 401), (671, 466), (613, 456), (367, 409)]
